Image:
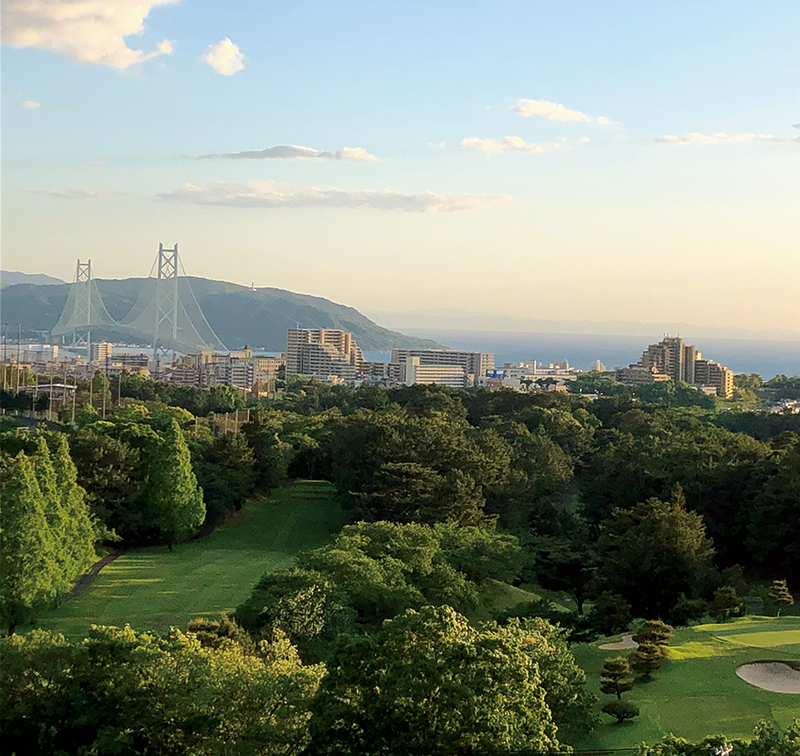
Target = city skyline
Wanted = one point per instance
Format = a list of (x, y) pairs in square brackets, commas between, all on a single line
[(614, 164)]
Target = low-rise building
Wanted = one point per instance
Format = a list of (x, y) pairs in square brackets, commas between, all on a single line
[(413, 372), (474, 364), (635, 375)]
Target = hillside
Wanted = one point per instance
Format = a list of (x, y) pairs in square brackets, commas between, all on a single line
[(12, 277), (239, 315)]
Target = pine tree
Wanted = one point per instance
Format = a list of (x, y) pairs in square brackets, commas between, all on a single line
[(780, 594), (54, 514), (175, 502), (656, 632), (646, 658), (28, 568), (612, 678), (80, 527), (726, 603)]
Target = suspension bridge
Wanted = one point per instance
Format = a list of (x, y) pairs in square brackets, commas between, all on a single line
[(166, 313)]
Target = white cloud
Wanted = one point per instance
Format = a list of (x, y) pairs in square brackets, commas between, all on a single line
[(224, 57), (514, 144), (298, 152), (88, 31), (31, 104), (271, 194), (721, 138), (554, 111), (356, 154), (75, 193), (437, 145)]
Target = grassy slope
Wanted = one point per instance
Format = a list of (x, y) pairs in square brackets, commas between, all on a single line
[(697, 693), (154, 588)]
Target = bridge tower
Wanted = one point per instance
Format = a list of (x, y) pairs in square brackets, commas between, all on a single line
[(166, 297), (81, 339)]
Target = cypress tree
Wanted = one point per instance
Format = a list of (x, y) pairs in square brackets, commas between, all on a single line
[(28, 568), (54, 514), (80, 527), (174, 499)]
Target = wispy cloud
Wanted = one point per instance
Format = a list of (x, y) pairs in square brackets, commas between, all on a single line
[(515, 144), (271, 194), (224, 57), (297, 152), (76, 193), (88, 31), (554, 111), (721, 138), (31, 104)]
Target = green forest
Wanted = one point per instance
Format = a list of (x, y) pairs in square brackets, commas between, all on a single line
[(447, 567)]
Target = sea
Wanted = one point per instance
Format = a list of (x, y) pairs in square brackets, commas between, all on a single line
[(767, 358)]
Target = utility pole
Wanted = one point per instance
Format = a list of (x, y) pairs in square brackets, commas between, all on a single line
[(74, 394), (64, 391)]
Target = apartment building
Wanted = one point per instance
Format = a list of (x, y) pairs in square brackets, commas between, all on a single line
[(474, 364), (324, 353), (712, 374), (239, 368), (635, 375), (412, 371), (100, 352), (678, 362)]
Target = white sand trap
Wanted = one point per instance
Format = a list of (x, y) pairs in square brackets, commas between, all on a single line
[(775, 676), (626, 642)]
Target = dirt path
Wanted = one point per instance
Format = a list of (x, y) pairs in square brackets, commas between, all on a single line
[(86, 580)]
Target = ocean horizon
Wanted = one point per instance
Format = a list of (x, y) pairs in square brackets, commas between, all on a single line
[(767, 358)]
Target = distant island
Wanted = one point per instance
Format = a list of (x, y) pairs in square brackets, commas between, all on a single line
[(238, 314)]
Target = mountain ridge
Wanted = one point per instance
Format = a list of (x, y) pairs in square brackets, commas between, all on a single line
[(238, 314)]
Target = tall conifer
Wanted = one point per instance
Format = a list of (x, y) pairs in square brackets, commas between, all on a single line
[(28, 568), (80, 529), (175, 500), (54, 514)]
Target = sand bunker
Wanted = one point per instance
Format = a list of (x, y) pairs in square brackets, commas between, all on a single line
[(776, 676), (626, 642)]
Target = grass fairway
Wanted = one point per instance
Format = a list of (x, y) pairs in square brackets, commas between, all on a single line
[(154, 588), (696, 692)]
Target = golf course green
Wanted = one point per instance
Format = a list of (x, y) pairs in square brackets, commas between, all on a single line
[(154, 588), (697, 691)]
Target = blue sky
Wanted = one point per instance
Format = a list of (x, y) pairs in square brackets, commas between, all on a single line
[(623, 204)]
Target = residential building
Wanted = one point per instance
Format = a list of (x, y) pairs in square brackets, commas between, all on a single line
[(678, 362), (100, 352), (635, 375), (324, 354), (673, 357), (711, 374), (475, 364), (413, 372)]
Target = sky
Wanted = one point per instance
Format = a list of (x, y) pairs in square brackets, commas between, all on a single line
[(585, 161)]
